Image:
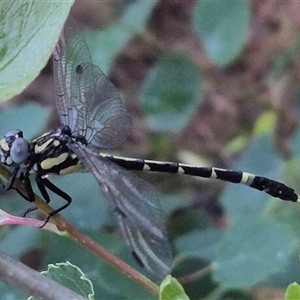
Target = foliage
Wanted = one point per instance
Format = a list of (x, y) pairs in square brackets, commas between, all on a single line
[(29, 32), (171, 91), (222, 27), (292, 291), (71, 277)]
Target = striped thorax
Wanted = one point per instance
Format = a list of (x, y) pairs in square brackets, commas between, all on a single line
[(49, 153)]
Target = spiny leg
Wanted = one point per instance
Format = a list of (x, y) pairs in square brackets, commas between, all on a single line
[(44, 182), (44, 193), (25, 179)]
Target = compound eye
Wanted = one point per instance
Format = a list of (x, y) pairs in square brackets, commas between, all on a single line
[(19, 150), (13, 134)]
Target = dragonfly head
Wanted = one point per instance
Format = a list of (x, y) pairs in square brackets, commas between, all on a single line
[(14, 149)]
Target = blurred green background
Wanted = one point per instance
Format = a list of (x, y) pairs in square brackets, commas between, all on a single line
[(206, 83)]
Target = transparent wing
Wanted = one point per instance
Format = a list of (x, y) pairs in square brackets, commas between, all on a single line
[(86, 100), (137, 209)]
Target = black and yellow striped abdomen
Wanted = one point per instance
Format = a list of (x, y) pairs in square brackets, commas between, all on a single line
[(269, 186)]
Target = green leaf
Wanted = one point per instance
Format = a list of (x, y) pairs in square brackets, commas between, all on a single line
[(199, 284), (187, 220), (259, 248), (71, 277), (266, 123), (171, 202), (251, 250), (171, 289), (171, 92), (260, 158), (18, 240), (119, 286), (199, 244), (28, 34), (9, 293), (105, 45), (222, 28), (237, 144), (292, 291), (107, 281), (288, 274), (30, 117)]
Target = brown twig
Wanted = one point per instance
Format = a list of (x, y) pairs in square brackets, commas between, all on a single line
[(32, 282)]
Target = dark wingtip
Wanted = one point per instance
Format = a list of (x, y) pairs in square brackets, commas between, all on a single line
[(137, 258)]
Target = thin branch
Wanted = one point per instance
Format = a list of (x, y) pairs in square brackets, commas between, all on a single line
[(32, 282)]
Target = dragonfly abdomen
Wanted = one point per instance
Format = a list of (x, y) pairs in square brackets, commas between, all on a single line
[(269, 186)]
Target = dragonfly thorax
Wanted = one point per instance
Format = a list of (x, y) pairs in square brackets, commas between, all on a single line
[(51, 153), (14, 149)]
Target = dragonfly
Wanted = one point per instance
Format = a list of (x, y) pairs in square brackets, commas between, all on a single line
[(93, 120)]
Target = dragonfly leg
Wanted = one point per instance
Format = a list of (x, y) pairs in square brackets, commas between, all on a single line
[(43, 191), (25, 179), (41, 186), (12, 179), (44, 183)]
